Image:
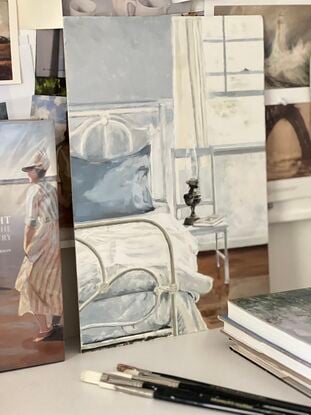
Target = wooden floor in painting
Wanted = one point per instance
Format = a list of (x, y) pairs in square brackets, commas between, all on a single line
[(17, 348), (249, 275)]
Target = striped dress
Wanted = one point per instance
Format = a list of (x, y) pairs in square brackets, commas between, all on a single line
[(39, 278)]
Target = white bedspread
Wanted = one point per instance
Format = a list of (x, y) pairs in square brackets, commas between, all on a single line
[(139, 245), (130, 297)]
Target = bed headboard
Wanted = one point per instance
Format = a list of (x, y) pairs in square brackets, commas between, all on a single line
[(133, 125)]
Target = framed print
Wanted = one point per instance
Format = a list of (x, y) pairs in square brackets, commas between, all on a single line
[(9, 51), (31, 303)]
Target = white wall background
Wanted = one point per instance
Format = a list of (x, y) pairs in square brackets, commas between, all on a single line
[(289, 252)]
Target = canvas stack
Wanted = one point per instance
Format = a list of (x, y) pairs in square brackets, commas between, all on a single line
[(274, 331)]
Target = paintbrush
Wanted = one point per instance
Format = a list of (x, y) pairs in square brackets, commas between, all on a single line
[(220, 392), (170, 394)]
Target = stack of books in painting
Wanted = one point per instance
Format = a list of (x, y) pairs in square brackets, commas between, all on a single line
[(211, 220), (274, 332)]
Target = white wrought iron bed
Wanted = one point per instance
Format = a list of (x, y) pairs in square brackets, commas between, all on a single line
[(173, 297), (103, 287)]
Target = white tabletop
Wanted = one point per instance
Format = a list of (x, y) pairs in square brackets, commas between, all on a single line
[(56, 388)]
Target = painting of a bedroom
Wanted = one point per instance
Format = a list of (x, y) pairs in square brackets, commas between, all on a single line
[(151, 146)]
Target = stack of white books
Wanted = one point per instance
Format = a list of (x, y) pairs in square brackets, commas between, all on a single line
[(274, 332), (211, 220)]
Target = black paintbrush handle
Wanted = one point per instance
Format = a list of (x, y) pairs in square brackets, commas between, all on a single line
[(255, 400), (258, 400), (225, 405)]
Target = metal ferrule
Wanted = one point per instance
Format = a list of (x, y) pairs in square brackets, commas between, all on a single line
[(118, 380), (145, 393), (157, 380)]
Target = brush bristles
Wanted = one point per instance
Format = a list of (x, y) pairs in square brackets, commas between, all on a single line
[(90, 376), (122, 368), (127, 369)]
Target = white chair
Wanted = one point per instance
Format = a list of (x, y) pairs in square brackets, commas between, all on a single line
[(220, 229)]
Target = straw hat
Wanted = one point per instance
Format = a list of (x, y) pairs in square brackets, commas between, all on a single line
[(40, 161)]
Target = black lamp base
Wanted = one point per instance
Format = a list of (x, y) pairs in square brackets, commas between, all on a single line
[(190, 220), (192, 199)]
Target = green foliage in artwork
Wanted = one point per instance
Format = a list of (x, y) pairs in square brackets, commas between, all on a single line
[(51, 86)]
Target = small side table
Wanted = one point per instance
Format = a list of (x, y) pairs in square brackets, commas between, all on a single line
[(220, 228)]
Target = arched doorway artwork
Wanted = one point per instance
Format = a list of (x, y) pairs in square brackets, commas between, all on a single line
[(297, 125)]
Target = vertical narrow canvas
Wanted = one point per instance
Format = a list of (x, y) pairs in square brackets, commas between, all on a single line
[(219, 112), (9, 53), (31, 305), (140, 136), (50, 54)]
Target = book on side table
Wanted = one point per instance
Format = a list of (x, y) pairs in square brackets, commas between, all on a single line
[(274, 331), (211, 220)]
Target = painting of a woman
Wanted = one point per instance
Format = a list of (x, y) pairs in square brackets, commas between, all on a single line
[(39, 278)]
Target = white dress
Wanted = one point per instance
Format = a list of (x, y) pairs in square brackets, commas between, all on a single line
[(39, 278)]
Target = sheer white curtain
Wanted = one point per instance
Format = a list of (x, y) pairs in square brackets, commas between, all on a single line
[(189, 83), (190, 105)]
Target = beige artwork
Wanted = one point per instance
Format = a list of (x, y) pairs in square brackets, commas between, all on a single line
[(288, 141)]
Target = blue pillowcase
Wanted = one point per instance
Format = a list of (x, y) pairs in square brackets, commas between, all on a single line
[(111, 188)]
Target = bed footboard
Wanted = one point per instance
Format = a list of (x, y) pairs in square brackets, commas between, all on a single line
[(103, 287)]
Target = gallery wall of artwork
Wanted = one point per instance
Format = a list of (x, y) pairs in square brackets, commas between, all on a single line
[(157, 129)]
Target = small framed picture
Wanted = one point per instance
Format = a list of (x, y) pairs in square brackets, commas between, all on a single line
[(9, 51)]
